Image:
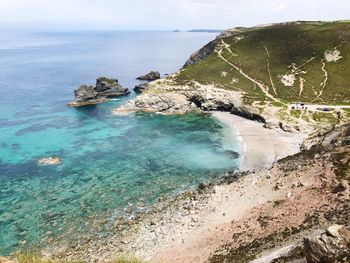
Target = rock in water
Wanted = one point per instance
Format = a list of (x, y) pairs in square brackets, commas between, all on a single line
[(105, 88), (84, 93), (141, 87), (331, 246), (231, 154), (153, 75)]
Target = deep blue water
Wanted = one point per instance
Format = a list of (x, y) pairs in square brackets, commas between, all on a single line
[(109, 161)]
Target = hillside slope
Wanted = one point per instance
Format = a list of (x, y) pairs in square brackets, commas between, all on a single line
[(289, 62), (293, 74)]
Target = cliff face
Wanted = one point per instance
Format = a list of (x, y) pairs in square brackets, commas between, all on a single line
[(202, 53)]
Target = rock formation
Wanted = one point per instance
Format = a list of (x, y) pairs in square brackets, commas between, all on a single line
[(141, 87), (333, 245), (153, 75), (185, 100), (105, 88), (202, 53)]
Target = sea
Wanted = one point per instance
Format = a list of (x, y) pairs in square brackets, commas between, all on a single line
[(109, 162)]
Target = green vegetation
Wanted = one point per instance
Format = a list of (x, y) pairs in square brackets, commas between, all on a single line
[(294, 49), (34, 257)]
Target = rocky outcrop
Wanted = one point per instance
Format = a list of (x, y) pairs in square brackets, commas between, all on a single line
[(105, 88), (202, 53), (141, 87), (333, 245), (153, 75), (183, 100), (248, 113), (328, 136)]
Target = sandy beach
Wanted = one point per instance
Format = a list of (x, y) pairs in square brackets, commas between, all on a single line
[(260, 147)]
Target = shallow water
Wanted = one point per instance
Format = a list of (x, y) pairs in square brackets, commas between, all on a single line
[(108, 161)]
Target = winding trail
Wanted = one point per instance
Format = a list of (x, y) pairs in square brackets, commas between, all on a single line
[(301, 87), (263, 87), (323, 83), (269, 71)]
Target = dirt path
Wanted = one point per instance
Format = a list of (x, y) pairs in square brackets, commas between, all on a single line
[(323, 83), (301, 86), (263, 87)]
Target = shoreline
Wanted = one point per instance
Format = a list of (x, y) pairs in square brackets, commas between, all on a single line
[(260, 147), (198, 224)]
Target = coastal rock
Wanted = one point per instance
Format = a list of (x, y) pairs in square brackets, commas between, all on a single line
[(141, 87), (231, 154), (331, 246), (153, 75), (202, 53), (49, 161), (84, 93), (169, 103), (105, 88), (248, 113), (184, 100)]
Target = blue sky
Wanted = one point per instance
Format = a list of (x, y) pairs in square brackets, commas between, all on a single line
[(163, 14)]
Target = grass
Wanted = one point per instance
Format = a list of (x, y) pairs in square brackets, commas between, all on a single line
[(34, 257), (286, 44)]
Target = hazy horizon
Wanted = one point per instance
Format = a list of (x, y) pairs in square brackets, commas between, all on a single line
[(160, 15)]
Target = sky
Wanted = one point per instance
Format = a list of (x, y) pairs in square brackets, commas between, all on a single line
[(163, 14)]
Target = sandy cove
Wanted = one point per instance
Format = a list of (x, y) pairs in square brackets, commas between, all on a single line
[(261, 216), (200, 226), (270, 208), (260, 147)]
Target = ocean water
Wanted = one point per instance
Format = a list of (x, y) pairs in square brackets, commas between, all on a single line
[(109, 162)]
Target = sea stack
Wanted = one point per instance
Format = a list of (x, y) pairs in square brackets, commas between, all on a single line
[(153, 75), (105, 88)]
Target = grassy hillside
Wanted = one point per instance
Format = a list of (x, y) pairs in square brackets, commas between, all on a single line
[(307, 62)]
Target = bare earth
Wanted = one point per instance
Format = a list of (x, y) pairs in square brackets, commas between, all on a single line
[(261, 147), (255, 207), (198, 228)]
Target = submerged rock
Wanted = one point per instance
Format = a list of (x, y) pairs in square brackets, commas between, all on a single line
[(49, 161), (105, 88), (153, 75), (331, 246), (231, 154)]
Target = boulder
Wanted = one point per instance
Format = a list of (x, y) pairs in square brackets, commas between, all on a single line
[(105, 88), (141, 87), (153, 75), (333, 245)]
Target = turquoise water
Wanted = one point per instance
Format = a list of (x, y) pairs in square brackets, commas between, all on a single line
[(108, 161)]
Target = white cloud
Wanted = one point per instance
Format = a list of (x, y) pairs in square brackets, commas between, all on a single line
[(164, 14)]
